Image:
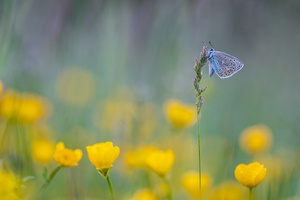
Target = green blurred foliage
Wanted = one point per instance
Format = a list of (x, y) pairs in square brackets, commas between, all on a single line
[(148, 48)]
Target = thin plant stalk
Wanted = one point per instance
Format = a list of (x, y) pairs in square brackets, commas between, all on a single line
[(199, 64), (250, 194), (4, 141), (110, 187), (199, 153), (54, 172), (169, 194)]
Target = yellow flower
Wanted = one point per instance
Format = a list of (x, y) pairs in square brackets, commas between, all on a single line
[(147, 119), (275, 167), (256, 139), (180, 115), (25, 108), (75, 86), (150, 157), (144, 194), (190, 182), (116, 115), (67, 157), (227, 190), (250, 175), (42, 150), (9, 186), (102, 155), (137, 158), (160, 161)]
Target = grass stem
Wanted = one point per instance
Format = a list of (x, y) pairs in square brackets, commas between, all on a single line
[(199, 64), (54, 172), (110, 187)]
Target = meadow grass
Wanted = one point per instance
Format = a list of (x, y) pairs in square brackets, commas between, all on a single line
[(85, 74)]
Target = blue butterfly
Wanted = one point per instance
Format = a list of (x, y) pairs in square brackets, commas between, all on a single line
[(223, 64)]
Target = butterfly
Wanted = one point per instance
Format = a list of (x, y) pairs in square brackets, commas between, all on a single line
[(223, 64)]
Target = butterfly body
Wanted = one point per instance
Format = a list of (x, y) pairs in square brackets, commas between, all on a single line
[(223, 64)]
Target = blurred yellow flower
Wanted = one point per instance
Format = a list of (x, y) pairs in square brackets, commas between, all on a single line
[(144, 194), (256, 139), (137, 158), (23, 107), (150, 157), (9, 186), (116, 115), (42, 150), (190, 182), (147, 119), (102, 155), (179, 114), (75, 86), (250, 175), (67, 157), (160, 162), (228, 190), (275, 167)]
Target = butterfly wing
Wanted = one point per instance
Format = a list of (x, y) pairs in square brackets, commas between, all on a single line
[(211, 70), (225, 65)]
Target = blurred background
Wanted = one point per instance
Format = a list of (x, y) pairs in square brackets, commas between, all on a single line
[(107, 68)]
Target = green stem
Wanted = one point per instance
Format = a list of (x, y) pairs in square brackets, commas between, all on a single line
[(250, 194), (54, 172), (199, 64), (4, 139), (199, 152), (110, 187), (169, 194)]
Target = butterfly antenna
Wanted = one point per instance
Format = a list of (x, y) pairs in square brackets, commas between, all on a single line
[(210, 44)]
